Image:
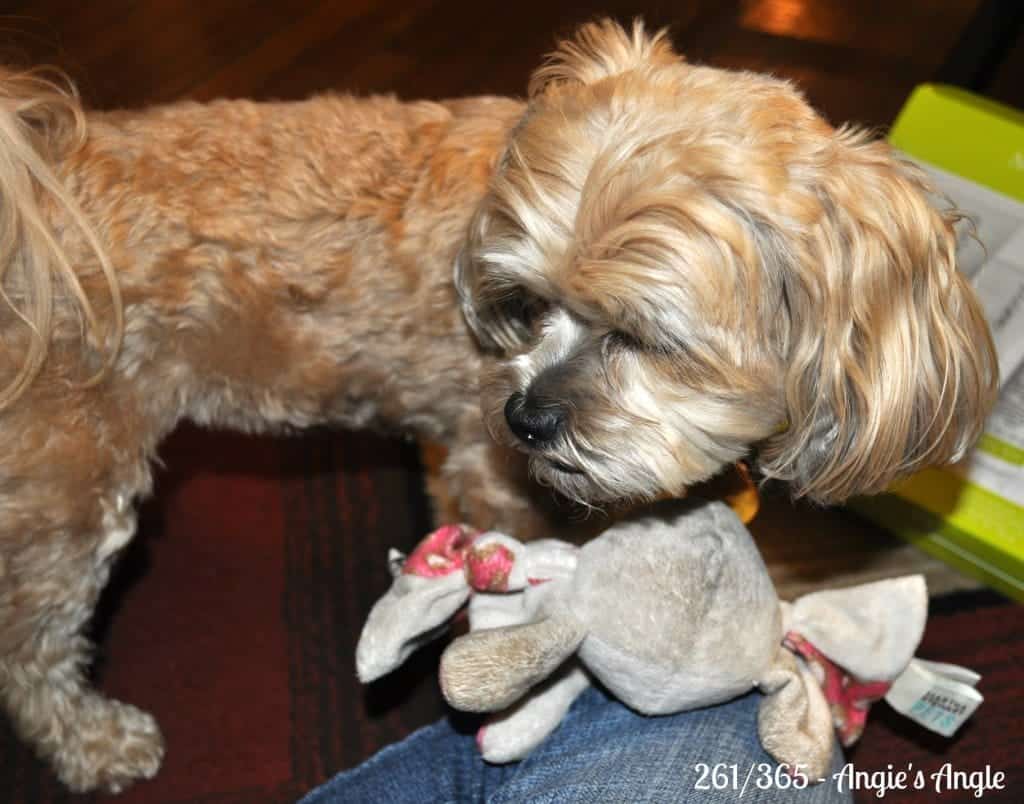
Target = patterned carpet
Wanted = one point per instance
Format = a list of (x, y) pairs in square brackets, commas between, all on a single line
[(233, 619)]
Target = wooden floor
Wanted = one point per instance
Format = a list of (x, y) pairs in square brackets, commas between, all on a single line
[(857, 60)]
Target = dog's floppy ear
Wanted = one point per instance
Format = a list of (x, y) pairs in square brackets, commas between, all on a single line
[(890, 363), (601, 49)]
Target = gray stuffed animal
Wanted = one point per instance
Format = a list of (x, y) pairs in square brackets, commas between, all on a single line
[(671, 610)]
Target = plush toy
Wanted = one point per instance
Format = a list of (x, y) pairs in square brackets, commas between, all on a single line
[(670, 610)]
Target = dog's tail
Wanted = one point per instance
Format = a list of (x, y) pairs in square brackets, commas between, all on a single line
[(41, 119)]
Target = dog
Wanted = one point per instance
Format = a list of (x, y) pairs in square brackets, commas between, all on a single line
[(639, 274)]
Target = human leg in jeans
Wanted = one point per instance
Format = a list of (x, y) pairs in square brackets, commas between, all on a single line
[(602, 752)]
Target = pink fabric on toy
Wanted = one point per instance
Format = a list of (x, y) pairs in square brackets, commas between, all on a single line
[(451, 548), (441, 553), (848, 698), (488, 567)]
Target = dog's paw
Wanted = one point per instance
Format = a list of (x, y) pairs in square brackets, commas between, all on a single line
[(113, 745)]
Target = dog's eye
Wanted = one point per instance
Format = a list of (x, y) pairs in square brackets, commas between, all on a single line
[(524, 308), (625, 340)]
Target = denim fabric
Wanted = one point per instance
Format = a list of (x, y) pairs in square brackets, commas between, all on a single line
[(602, 752)]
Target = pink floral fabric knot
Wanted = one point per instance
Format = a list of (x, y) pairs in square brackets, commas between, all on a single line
[(451, 548), (848, 698)]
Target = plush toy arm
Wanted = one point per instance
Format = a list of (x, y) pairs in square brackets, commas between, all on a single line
[(511, 735), (486, 671), (794, 720)]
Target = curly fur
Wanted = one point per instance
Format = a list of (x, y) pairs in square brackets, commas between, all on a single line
[(686, 258)]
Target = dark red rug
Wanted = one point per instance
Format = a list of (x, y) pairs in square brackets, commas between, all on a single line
[(233, 620)]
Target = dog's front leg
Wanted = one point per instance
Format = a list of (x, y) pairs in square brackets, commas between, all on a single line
[(50, 579)]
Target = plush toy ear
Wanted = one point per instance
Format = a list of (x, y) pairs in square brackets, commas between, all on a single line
[(412, 613), (486, 671), (794, 720)]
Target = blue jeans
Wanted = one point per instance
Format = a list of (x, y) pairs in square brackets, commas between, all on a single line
[(602, 752)]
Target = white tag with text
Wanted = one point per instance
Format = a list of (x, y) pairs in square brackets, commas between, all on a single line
[(941, 697)]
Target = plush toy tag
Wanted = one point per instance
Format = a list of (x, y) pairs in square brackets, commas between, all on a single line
[(941, 697)]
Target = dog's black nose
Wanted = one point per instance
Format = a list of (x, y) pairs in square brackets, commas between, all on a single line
[(533, 423)]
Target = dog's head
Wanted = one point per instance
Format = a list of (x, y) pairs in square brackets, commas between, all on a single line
[(682, 264)]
